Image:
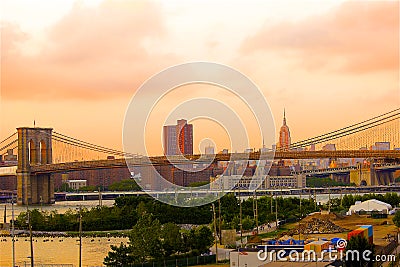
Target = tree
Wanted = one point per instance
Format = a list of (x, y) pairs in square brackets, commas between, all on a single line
[(145, 239), (119, 256), (171, 239), (197, 240), (248, 223), (229, 207), (396, 218), (203, 238), (360, 244)]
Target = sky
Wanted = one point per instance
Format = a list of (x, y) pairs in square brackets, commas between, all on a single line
[(75, 65)]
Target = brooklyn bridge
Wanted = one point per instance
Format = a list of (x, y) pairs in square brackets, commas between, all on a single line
[(43, 153)]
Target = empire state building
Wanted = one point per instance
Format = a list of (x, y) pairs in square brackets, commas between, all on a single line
[(284, 135)]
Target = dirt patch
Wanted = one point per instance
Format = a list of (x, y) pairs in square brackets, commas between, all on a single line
[(381, 227), (317, 226)]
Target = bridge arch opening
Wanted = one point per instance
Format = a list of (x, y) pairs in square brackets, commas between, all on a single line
[(32, 152), (43, 152)]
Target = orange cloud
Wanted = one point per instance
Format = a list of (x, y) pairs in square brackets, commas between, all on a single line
[(357, 37), (90, 53)]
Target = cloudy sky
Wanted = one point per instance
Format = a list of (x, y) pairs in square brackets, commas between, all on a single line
[(74, 65)]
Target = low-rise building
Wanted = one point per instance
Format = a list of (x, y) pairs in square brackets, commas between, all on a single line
[(329, 147), (76, 184), (222, 182), (381, 146), (10, 157)]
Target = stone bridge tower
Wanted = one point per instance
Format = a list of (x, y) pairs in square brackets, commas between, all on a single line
[(34, 148)]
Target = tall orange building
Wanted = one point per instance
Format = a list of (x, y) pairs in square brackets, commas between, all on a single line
[(184, 134), (178, 138), (284, 135)]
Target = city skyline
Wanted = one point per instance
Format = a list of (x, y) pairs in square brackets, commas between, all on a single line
[(327, 64)]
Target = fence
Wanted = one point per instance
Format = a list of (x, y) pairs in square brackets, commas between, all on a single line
[(181, 262), (26, 264)]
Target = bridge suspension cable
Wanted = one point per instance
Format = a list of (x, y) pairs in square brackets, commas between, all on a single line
[(349, 130), (8, 144), (67, 149), (73, 141), (11, 136)]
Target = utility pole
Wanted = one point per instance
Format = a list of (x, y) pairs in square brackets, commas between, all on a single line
[(276, 212), (30, 235), (341, 198), (13, 230), (240, 220), (315, 199), (301, 214), (329, 200), (256, 209), (80, 236), (100, 197), (215, 233), (272, 196), (219, 221)]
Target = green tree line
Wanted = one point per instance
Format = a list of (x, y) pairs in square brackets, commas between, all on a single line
[(123, 185), (124, 213)]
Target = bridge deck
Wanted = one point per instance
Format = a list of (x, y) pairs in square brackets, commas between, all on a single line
[(163, 160)]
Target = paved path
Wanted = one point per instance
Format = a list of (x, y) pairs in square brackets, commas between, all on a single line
[(262, 229)]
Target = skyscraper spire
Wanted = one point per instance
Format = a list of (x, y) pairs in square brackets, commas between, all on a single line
[(284, 135), (284, 117)]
